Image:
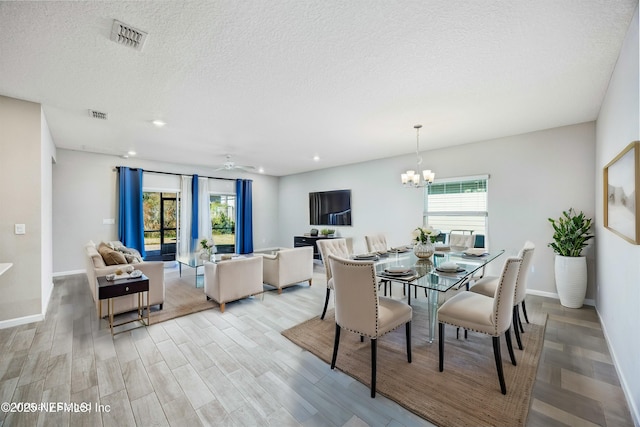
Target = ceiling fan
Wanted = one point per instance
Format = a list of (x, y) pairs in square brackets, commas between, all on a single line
[(231, 165)]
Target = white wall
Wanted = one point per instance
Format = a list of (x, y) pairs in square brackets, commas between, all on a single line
[(618, 292), (48, 155), (85, 193), (532, 177)]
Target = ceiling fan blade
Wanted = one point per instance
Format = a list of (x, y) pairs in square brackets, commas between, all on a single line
[(245, 167)]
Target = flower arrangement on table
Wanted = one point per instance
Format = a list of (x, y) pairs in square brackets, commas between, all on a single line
[(425, 234), (424, 238), (208, 248)]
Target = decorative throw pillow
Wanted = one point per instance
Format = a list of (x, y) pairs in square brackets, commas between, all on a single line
[(132, 255), (132, 259), (110, 256), (116, 245)]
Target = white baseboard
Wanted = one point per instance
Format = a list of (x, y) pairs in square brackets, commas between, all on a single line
[(68, 273), (633, 408), (21, 321), (553, 295)]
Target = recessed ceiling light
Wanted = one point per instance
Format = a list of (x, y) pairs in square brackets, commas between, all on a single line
[(261, 169), (316, 158), (159, 123), (131, 153)]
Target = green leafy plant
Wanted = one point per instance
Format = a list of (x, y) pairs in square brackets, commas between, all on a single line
[(425, 234), (571, 232), (327, 231)]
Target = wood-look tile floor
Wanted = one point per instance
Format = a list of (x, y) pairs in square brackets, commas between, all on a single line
[(236, 369)]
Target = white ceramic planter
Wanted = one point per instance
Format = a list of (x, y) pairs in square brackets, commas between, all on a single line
[(571, 280)]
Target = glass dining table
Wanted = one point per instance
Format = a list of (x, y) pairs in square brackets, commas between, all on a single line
[(408, 269)]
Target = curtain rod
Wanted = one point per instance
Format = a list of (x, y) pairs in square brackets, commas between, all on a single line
[(178, 174)]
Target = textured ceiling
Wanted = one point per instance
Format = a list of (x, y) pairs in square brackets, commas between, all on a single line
[(274, 83)]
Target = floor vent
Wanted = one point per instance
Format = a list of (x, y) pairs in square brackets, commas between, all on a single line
[(126, 35), (98, 115)]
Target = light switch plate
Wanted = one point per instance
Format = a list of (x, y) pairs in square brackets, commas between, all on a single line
[(108, 221), (20, 229)]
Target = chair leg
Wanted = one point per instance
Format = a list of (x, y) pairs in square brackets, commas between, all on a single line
[(408, 330), (336, 342), (515, 327), (498, 357), (519, 320), (222, 308), (326, 304), (374, 350), (441, 346), (507, 335), (361, 338), (524, 310)]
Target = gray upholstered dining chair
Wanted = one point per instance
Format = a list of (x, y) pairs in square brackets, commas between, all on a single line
[(359, 309), (338, 247), (487, 315), (487, 286)]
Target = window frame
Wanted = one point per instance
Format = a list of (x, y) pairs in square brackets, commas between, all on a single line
[(457, 213)]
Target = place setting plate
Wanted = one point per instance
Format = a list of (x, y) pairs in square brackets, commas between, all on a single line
[(457, 270), (399, 271), (366, 257), (449, 267)]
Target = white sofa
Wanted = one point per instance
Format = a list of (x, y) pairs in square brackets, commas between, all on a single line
[(233, 279), (96, 267), (283, 267)]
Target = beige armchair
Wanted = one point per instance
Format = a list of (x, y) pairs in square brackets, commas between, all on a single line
[(487, 315), (359, 309), (328, 247), (233, 279), (487, 286), (288, 267)]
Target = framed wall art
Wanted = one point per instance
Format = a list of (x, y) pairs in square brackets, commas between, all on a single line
[(621, 180)]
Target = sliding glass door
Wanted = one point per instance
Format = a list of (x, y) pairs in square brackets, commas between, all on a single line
[(160, 225)]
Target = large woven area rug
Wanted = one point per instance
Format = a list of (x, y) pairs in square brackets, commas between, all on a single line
[(467, 393)]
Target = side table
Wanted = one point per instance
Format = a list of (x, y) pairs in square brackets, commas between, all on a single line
[(110, 289)]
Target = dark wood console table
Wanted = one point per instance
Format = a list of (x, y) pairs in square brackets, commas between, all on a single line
[(299, 241), (110, 289)]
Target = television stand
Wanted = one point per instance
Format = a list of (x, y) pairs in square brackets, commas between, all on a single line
[(299, 241)]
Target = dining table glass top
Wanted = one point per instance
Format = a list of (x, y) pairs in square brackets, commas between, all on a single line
[(426, 272)]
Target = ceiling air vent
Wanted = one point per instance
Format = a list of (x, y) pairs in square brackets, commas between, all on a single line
[(97, 114), (126, 35)]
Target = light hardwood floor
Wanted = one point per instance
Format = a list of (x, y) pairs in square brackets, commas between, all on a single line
[(236, 369)]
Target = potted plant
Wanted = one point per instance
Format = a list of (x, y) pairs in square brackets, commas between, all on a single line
[(424, 238), (571, 233), (327, 232)]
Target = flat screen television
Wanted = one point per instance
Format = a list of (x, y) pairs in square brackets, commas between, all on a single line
[(330, 207)]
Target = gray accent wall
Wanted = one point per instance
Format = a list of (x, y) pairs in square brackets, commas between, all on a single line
[(26, 153), (531, 177), (618, 279)]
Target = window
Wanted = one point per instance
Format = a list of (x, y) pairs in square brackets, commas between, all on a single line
[(457, 204), (160, 225), (223, 223)]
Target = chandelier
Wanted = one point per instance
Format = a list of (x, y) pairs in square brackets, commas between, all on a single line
[(412, 178)]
